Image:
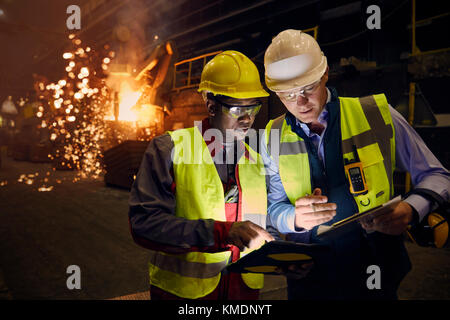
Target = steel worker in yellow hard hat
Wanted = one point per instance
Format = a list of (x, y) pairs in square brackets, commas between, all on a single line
[(334, 157), (199, 198), (231, 88)]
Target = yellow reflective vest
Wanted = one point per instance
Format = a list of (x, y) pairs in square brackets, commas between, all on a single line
[(365, 123), (200, 195)]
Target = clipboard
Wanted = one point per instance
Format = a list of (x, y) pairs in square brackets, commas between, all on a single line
[(278, 254), (347, 224)]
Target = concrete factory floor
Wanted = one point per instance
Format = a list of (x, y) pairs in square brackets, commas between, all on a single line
[(86, 224)]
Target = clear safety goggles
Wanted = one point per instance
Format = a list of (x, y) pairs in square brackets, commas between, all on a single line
[(305, 92), (237, 112)]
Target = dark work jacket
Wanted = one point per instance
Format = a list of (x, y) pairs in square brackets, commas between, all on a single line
[(345, 275)]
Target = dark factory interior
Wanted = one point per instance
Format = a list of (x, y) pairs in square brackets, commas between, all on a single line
[(79, 105)]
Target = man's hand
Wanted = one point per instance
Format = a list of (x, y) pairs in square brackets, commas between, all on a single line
[(393, 222), (310, 211), (247, 234), (294, 271)]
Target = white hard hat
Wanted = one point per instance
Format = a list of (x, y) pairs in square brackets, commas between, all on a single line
[(8, 107), (293, 60)]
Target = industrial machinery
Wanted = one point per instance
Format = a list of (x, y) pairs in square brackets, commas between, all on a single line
[(139, 105)]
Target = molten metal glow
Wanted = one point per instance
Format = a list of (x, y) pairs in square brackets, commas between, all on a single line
[(128, 99), (45, 189), (74, 108), (68, 55)]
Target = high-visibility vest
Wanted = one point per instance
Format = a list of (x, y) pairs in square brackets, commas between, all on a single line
[(365, 123), (200, 195)]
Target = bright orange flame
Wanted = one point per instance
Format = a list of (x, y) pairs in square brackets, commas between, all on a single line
[(147, 115), (128, 99)]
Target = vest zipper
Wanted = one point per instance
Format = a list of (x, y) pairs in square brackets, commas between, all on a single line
[(239, 207)]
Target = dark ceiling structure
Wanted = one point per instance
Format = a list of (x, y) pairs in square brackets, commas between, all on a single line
[(34, 33)]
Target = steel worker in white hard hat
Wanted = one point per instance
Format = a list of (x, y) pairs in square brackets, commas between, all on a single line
[(199, 198), (336, 158)]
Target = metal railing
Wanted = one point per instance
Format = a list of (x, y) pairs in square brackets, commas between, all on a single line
[(314, 29), (189, 76), (415, 50)]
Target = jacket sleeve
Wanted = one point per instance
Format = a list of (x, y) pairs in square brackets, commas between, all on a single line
[(152, 202), (414, 156)]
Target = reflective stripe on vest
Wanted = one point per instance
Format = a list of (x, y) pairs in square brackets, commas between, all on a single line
[(290, 153), (200, 195), (366, 123), (252, 181)]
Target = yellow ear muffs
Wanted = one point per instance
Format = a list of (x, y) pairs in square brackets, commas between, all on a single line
[(440, 229)]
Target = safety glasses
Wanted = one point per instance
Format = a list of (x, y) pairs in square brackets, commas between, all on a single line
[(304, 92), (237, 112)]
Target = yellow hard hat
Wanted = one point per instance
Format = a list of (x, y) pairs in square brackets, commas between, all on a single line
[(293, 60), (232, 74)]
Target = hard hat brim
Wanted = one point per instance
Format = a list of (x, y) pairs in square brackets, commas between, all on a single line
[(229, 92)]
